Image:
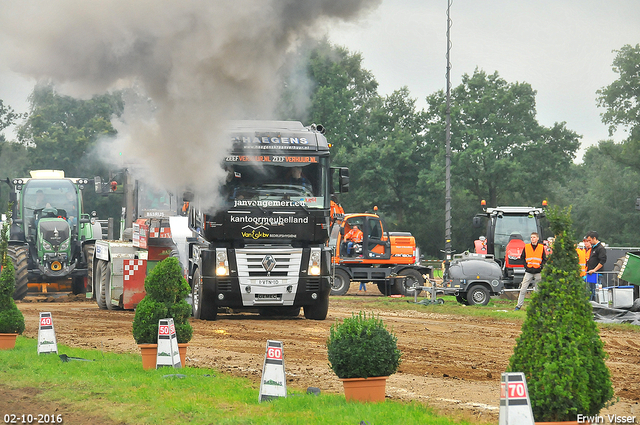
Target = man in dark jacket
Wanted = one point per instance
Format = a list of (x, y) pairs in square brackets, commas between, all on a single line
[(534, 257), (595, 262)]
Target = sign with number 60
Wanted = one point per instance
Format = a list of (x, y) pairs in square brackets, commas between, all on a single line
[(274, 353)]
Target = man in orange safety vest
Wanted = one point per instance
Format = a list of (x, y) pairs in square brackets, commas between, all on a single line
[(534, 257), (353, 237)]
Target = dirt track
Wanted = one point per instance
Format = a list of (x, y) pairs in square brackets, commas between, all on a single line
[(452, 363)]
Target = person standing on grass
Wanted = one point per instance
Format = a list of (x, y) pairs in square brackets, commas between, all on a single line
[(534, 257)]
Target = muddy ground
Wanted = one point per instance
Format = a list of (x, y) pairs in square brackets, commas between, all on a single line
[(450, 362)]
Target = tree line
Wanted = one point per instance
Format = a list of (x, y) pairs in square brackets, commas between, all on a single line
[(396, 153)]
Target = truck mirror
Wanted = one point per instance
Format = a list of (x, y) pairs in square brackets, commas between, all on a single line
[(344, 180), (477, 221)]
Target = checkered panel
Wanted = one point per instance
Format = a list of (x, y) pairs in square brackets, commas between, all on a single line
[(134, 269)]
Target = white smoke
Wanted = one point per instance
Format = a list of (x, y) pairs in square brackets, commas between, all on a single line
[(201, 62)]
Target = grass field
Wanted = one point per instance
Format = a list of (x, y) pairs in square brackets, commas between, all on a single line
[(116, 386)]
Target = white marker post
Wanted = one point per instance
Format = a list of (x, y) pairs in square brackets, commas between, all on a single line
[(273, 383), (515, 406), (168, 354), (47, 342)]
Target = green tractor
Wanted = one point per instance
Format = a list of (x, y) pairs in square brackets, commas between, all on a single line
[(51, 241)]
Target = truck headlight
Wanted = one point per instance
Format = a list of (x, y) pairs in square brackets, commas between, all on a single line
[(314, 262), (222, 263)]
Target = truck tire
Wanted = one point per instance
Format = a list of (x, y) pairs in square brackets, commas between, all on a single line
[(383, 288), (317, 311), (19, 255), (462, 298), (402, 286), (204, 307), (341, 283), (101, 279), (616, 268), (89, 250), (478, 295), (108, 299)]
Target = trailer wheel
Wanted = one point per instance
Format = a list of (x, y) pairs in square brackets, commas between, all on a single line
[(317, 311), (101, 278), (19, 255), (478, 295), (411, 279), (341, 283), (204, 307)]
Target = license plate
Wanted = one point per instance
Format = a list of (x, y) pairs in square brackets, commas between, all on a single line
[(269, 282), (274, 297)]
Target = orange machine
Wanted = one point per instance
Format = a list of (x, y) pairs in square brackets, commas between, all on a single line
[(389, 259)]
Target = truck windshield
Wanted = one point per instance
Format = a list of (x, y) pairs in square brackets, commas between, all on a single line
[(276, 181)]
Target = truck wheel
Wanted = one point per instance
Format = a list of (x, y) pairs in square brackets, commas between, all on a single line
[(384, 290), (101, 279), (616, 269), (341, 283), (462, 298), (19, 255), (402, 286), (108, 298), (478, 295), (203, 307), (89, 250), (317, 311)]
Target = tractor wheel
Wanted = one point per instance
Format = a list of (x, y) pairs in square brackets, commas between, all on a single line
[(19, 255), (616, 269), (77, 286), (478, 295), (317, 311), (341, 283), (101, 278), (411, 279), (203, 307), (89, 250)]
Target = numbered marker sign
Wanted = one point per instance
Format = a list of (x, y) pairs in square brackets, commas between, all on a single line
[(515, 407), (168, 354), (47, 342), (273, 383)]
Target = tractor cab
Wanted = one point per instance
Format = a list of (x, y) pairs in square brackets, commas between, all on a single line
[(508, 230), (360, 238)]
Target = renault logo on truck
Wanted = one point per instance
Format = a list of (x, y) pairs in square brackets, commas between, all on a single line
[(268, 262)]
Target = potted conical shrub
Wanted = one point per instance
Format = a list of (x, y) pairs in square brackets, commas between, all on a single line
[(11, 318), (363, 353), (559, 350), (166, 291)]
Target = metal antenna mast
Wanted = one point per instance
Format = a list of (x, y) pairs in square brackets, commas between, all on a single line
[(447, 234)]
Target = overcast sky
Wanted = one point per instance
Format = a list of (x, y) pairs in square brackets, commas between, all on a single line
[(563, 48)]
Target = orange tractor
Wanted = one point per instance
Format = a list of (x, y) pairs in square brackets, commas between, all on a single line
[(372, 254)]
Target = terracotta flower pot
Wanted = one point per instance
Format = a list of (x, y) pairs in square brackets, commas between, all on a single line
[(7, 341), (365, 389), (182, 349), (149, 354)]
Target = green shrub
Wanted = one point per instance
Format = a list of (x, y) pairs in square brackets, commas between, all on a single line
[(362, 347), (559, 349), (166, 291), (11, 318)]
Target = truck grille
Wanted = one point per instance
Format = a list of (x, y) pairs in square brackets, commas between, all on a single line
[(254, 262)]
